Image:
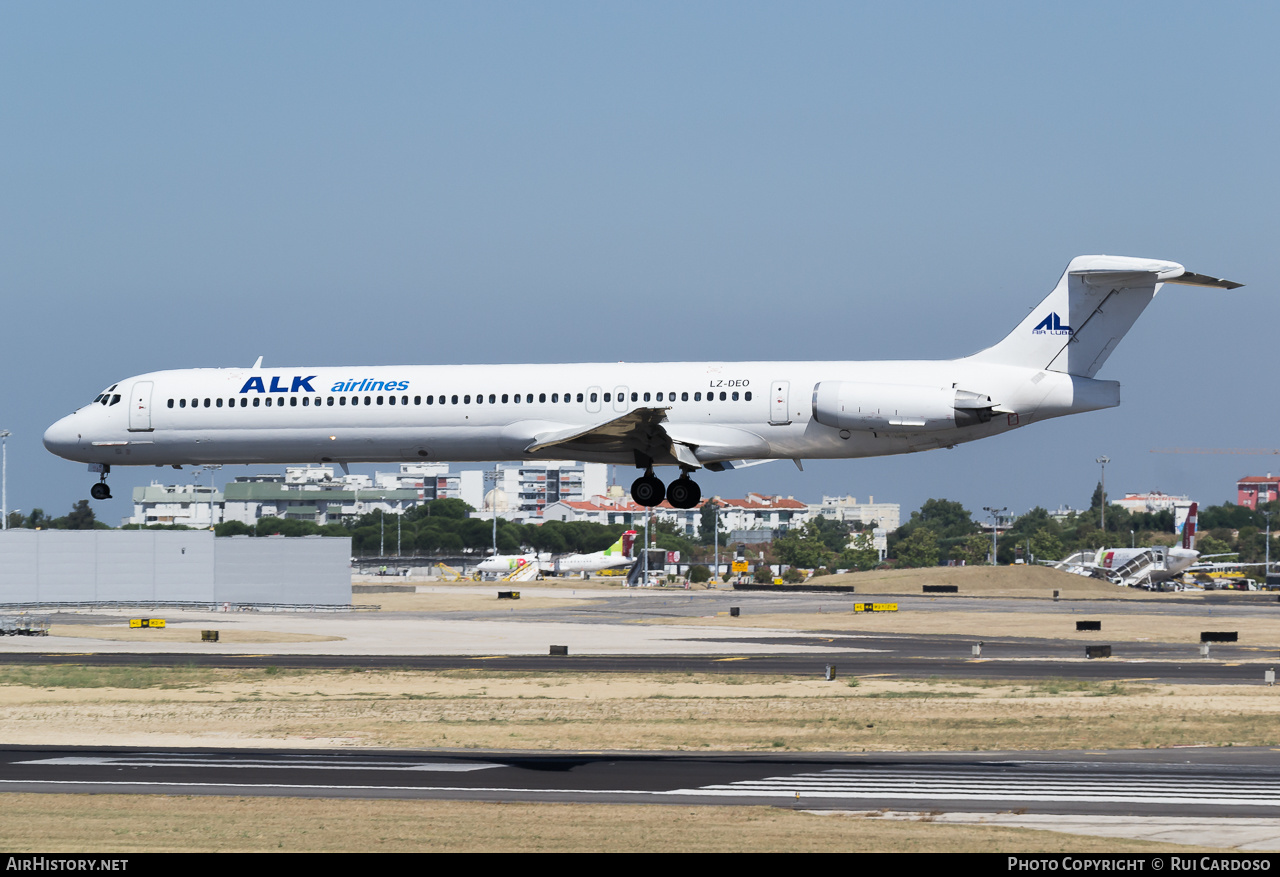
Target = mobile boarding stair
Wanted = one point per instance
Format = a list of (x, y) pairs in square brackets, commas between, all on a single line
[(1134, 573), (526, 573)]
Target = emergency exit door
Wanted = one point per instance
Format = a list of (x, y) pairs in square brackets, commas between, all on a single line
[(778, 403)]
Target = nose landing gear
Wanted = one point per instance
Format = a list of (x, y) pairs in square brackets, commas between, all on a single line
[(101, 490)]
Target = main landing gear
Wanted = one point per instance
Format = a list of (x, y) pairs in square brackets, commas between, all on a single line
[(683, 493), (101, 490)]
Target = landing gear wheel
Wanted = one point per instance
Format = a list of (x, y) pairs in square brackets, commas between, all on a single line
[(684, 493), (648, 491), (100, 491)]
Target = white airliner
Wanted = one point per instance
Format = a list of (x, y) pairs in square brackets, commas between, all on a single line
[(1139, 567), (509, 563), (694, 415), (616, 555)]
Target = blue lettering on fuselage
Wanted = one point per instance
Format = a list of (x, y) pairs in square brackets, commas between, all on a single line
[(300, 385), (368, 386)]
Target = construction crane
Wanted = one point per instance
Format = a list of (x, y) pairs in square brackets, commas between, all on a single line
[(1241, 451)]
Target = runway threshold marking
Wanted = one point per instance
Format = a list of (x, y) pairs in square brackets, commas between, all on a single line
[(977, 786)]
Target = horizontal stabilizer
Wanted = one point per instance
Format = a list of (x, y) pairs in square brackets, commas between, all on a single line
[(1190, 279)]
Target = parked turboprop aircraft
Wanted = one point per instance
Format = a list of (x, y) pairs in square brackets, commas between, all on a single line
[(508, 563), (694, 415), (616, 555)]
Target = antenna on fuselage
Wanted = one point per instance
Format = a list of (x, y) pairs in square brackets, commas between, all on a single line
[(258, 364)]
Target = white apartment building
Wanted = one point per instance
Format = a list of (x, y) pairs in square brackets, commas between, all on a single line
[(1151, 502), (847, 509)]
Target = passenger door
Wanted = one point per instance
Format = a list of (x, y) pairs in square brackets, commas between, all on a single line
[(140, 407)]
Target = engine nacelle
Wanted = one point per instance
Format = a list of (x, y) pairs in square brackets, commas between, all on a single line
[(895, 407)]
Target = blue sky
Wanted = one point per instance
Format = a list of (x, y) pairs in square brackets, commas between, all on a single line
[(339, 184)]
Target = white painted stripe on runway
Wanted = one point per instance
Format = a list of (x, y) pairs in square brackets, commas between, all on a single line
[(935, 795), (974, 785), (325, 788), (88, 761)]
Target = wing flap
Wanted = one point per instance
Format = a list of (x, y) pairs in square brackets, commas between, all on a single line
[(638, 430), (646, 431)]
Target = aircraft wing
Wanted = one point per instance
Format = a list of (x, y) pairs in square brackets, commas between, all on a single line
[(647, 431), (640, 429), (1210, 567)]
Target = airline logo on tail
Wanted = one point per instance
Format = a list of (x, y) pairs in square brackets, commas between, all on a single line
[(623, 546), (1189, 528), (1051, 325)]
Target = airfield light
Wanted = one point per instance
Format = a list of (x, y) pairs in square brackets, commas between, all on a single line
[(995, 529), (1267, 569), (4, 476), (1103, 461)]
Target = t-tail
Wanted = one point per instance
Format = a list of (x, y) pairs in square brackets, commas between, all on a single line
[(1096, 302)]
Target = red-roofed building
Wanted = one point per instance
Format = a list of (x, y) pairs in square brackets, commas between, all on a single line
[(758, 511), (621, 510), (753, 512), (1255, 490)]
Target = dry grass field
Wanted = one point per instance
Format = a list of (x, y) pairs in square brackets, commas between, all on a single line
[(134, 823), (473, 709)]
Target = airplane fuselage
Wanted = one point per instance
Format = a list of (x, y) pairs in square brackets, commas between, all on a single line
[(722, 411)]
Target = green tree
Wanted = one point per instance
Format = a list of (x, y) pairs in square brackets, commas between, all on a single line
[(80, 518), (947, 519), (860, 555), (440, 508), (707, 524), (920, 549), (1046, 546), (804, 547), (974, 550)]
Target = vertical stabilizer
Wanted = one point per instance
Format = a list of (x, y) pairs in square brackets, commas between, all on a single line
[(1189, 528), (1082, 320), (623, 545)]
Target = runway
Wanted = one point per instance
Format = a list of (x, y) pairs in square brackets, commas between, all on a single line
[(627, 632), (1237, 783), (749, 652)]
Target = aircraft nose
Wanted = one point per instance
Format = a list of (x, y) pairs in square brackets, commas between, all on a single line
[(63, 438)]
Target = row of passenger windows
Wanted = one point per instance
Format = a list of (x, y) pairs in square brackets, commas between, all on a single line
[(479, 399)]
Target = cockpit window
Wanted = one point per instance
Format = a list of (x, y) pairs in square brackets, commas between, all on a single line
[(115, 398)]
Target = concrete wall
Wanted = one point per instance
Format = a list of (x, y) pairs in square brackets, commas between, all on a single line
[(85, 566)]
